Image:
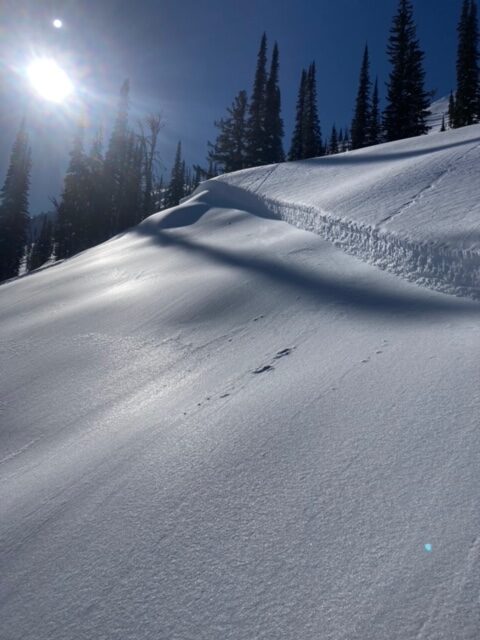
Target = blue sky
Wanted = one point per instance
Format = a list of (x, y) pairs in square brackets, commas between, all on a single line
[(189, 58)]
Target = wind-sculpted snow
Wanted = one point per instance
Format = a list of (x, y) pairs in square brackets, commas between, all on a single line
[(220, 427), (412, 207)]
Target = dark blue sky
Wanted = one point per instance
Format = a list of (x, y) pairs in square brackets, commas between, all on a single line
[(188, 58)]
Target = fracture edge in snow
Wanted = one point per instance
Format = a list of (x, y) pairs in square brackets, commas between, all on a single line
[(435, 265)]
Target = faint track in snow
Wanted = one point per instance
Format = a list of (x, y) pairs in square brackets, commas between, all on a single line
[(451, 166)]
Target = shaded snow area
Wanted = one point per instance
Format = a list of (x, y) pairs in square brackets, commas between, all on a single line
[(412, 207), (220, 427)]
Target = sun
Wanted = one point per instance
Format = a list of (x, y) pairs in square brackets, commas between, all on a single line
[(49, 80)]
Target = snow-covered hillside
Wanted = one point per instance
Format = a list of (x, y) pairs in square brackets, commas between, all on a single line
[(219, 426), (411, 206)]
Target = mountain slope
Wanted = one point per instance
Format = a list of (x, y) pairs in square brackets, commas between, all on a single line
[(411, 206), (219, 426)]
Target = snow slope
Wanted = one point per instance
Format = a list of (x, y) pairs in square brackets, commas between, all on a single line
[(411, 206), (218, 426)]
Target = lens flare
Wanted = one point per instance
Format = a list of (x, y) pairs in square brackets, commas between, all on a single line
[(49, 80)]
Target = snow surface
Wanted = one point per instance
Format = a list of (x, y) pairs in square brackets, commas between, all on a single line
[(218, 426), (411, 206)]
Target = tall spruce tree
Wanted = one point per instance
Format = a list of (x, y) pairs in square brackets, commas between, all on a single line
[(256, 135), (14, 218), (362, 115), (176, 187), (71, 234), (451, 111), (311, 131), (98, 221), (375, 127), (333, 144), (229, 150), (407, 101), (273, 120), (43, 245), (148, 142), (116, 164), (467, 95), (296, 147)]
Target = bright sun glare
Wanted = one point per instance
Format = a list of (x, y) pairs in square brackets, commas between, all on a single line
[(49, 80)]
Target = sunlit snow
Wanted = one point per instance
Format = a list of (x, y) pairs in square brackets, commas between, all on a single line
[(218, 425)]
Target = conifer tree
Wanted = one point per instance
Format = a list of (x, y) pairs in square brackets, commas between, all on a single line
[(116, 164), (229, 151), (296, 147), (346, 140), (176, 187), (375, 128), (443, 127), (333, 145), (98, 222), (131, 211), (407, 101), (256, 135), (14, 218), (273, 120), (71, 233), (148, 143), (467, 94), (362, 115), (311, 132), (451, 111), (43, 245)]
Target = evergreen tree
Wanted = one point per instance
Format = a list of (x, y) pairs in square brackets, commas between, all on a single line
[(375, 128), (98, 222), (229, 150), (14, 216), (176, 188), (407, 101), (346, 140), (273, 120), (131, 211), (116, 164), (256, 135), (362, 116), (43, 245), (443, 128), (148, 143), (451, 110), (467, 94), (296, 147), (311, 132), (333, 146), (71, 233)]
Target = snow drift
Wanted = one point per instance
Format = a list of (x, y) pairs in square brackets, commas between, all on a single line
[(218, 426), (412, 207)]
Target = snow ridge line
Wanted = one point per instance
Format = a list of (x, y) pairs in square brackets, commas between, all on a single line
[(435, 265)]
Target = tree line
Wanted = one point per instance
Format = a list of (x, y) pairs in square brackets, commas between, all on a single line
[(107, 192)]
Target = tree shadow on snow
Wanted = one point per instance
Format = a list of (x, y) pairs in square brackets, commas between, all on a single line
[(414, 303)]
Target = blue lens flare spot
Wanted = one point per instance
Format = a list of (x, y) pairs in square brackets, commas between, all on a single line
[(428, 547)]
